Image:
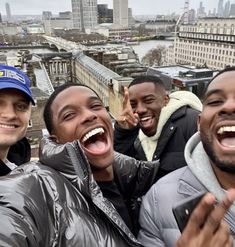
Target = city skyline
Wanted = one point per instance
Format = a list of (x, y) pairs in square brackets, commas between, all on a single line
[(139, 7)]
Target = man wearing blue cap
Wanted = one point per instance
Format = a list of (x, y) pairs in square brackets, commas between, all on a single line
[(15, 109)]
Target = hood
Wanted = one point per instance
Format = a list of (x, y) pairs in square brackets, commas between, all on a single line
[(177, 100), (199, 164)]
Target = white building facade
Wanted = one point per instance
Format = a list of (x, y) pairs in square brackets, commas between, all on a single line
[(210, 42)]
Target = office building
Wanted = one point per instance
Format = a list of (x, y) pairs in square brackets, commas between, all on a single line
[(209, 43), (8, 11), (120, 13), (84, 14)]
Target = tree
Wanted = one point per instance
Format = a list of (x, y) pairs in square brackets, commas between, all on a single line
[(154, 56)]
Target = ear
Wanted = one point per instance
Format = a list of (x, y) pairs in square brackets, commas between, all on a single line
[(198, 122), (166, 99), (54, 138)]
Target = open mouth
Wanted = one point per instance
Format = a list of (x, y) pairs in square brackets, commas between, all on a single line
[(226, 136), (95, 141), (146, 121)]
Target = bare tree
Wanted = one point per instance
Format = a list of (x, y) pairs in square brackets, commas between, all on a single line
[(154, 56)]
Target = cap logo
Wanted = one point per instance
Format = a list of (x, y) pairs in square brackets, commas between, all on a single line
[(12, 74)]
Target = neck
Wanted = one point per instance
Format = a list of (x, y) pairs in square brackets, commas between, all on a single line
[(103, 175), (226, 180)]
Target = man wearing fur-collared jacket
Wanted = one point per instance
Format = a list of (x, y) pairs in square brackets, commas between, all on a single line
[(154, 125)]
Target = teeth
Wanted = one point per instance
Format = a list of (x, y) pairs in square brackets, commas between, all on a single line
[(145, 118), (92, 133), (226, 129), (7, 126)]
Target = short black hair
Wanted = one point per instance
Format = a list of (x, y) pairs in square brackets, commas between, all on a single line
[(47, 114), (148, 78), (227, 69)]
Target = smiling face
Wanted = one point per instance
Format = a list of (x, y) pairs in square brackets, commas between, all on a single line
[(79, 114), (217, 122), (147, 99), (15, 112)]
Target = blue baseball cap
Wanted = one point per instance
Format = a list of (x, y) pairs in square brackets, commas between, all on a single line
[(11, 77)]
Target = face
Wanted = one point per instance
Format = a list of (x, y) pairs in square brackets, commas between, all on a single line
[(15, 112), (78, 114), (147, 100), (217, 122)]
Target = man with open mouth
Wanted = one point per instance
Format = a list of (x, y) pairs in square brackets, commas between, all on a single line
[(210, 157), (154, 125), (81, 192)]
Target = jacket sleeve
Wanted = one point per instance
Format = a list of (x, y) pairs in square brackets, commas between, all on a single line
[(149, 220), (137, 176), (15, 231), (23, 211), (124, 140)]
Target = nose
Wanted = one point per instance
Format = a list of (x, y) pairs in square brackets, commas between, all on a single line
[(228, 107), (88, 115), (140, 108), (8, 111)]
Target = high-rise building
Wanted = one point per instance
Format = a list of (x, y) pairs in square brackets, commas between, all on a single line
[(46, 15), (0, 18), (220, 8), (8, 11), (120, 12), (232, 10), (84, 14), (226, 9)]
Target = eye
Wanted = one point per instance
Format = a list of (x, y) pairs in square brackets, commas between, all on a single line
[(68, 116), (97, 106), (149, 101), (214, 102), (22, 106)]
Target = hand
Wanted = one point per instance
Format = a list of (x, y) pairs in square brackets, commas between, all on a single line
[(127, 119), (206, 226)]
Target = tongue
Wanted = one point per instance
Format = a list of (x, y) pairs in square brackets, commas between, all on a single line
[(228, 142), (96, 146)]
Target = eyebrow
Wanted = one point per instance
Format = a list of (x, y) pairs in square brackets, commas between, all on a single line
[(213, 91), (69, 106)]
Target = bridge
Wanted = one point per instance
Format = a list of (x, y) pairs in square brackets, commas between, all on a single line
[(108, 84)]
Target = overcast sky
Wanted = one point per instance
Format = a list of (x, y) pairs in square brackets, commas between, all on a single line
[(139, 7)]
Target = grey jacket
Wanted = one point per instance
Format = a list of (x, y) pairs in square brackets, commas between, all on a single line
[(58, 203), (158, 226)]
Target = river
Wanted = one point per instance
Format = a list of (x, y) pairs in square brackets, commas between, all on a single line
[(144, 46)]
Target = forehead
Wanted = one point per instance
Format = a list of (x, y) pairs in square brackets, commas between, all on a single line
[(225, 81), (73, 95), (13, 93), (145, 88)]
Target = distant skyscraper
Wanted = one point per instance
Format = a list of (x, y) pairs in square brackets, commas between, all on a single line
[(84, 14), (120, 12), (201, 11), (8, 11), (226, 9), (232, 10), (186, 11), (0, 18), (220, 8), (46, 15)]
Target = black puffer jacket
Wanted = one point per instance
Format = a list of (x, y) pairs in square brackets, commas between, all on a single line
[(59, 203), (170, 148), (19, 154)]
